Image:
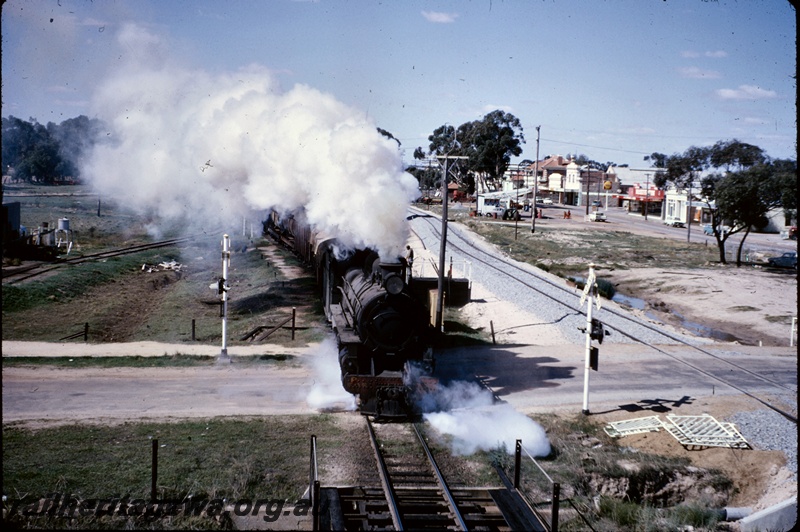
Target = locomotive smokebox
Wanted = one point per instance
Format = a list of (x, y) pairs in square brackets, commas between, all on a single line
[(391, 274)]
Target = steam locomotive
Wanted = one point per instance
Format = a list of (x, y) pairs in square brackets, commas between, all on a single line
[(381, 317)]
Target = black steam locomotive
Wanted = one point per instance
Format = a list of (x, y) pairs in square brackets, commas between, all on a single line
[(380, 314)]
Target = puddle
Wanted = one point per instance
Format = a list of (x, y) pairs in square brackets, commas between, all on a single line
[(694, 328), (628, 301), (705, 331)]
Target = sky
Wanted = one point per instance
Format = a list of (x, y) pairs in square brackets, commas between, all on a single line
[(614, 80)]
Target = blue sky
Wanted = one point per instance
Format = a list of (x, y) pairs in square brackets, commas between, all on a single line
[(613, 80)]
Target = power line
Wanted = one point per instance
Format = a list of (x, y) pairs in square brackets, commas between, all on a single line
[(568, 143)]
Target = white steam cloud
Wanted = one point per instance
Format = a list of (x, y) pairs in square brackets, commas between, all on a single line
[(326, 391), (469, 414), (188, 144)]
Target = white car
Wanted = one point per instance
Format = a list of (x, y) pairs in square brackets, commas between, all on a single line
[(672, 221), (597, 216), (547, 201), (492, 211)]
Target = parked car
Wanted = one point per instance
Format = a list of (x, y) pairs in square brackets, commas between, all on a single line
[(709, 229), (495, 211), (597, 203), (676, 222), (787, 260), (597, 216), (547, 201)]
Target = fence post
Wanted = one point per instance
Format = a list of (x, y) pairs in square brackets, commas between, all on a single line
[(555, 504), (193, 329), (315, 508), (154, 471), (491, 325), (294, 316), (86, 332), (517, 463)]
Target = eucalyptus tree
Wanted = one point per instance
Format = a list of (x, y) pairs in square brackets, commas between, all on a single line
[(491, 142), (488, 144), (745, 197), (739, 185)]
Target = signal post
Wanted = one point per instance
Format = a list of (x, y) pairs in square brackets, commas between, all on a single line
[(594, 331)]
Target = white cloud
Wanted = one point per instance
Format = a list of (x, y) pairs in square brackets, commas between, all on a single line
[(489, 107), (746, 92), (633, 130), (691, 54), (439, 17), (698, 73)]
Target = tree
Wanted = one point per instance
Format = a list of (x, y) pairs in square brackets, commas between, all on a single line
[(75, 138), (30, 150), (736, 196), (745, 197), (488, 143), (47, 153), (491, 142), (658, 160), (583, 160), (735, 154)]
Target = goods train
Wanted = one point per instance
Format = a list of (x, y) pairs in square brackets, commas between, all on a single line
[(380, 314)]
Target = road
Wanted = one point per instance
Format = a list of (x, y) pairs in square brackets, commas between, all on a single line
[(769, 244)]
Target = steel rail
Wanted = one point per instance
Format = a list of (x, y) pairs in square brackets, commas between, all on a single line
[(383, 471), (451, 502), (489, 264), (96, 256)]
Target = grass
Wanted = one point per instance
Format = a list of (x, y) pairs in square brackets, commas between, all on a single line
[(167, 361), (785, 319), (71, 282), (265, 458), (121, 302), (555, 249)]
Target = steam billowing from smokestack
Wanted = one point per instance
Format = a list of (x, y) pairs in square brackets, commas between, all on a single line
[(188, 144)]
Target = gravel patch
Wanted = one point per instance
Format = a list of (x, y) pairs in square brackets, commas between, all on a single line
[(769, 431)]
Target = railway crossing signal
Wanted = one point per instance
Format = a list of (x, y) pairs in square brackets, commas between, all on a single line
[(594, 331), (597, 331)]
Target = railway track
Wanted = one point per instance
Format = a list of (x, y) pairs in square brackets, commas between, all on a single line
[(414, 494), (621, 323), (32, 270)]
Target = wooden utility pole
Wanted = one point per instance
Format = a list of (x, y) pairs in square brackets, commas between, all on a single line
[(535, 182), (443, 245)]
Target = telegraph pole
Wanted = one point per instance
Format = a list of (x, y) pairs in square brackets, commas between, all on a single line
[(442, 249), (535, 182), (689, 214), (588, 178), (443, 245)]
